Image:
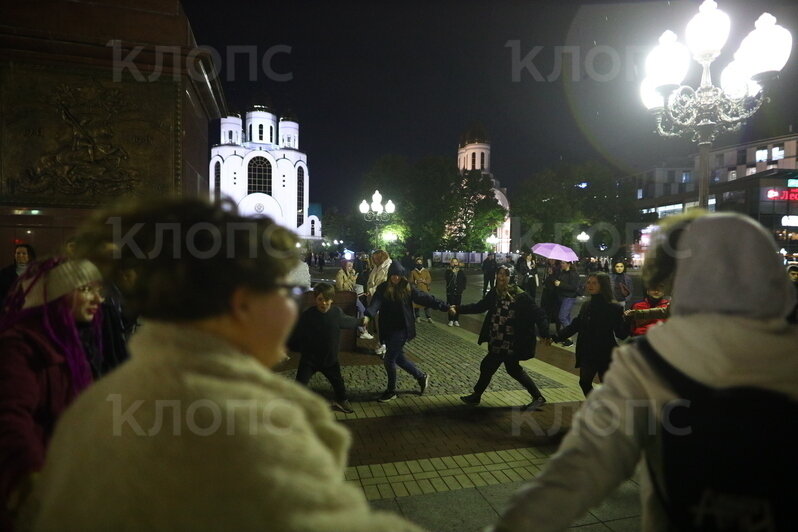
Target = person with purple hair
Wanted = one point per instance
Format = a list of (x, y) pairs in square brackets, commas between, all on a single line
[(43, 365)]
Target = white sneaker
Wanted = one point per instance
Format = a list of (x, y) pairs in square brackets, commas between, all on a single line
[(366, 336), (381, 350), (451, 324), (418, 320), (429, 320), (457, 324)]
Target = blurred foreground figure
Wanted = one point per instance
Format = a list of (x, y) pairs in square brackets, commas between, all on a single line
[(725, 460), (195, 432), (45, 362)]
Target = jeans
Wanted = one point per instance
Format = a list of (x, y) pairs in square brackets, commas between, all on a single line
[(417, 312), (566, 304), (395, 356), (333, 373), (488, 282)]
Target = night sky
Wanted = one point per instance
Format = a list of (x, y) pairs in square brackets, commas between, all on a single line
[(372, 78)]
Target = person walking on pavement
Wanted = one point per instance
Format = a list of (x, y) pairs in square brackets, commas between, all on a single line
[(393, 300), (509, 331), (599, 321), (455, 286), (420, 279), (567, 285), (488, 273), (792, 271)]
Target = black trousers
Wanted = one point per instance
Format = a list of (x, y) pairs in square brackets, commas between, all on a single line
[(588, 371), (488, 282), (491, 363), (306, 370)]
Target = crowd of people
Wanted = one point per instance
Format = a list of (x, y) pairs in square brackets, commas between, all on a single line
[(197, 431)]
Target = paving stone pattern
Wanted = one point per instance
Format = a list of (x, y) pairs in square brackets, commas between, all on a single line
[(452, 363)]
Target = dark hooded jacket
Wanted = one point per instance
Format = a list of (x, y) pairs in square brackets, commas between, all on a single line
[(399, 315)]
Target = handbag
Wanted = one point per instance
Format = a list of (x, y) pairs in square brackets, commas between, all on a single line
[(624, 290)]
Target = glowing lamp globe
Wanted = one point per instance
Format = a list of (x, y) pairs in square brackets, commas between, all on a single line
[(707, 32), (648, 93), (668, 63), (766, 49)]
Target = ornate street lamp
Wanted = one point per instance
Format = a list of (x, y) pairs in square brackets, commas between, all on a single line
[(377, 213), (701, 114)]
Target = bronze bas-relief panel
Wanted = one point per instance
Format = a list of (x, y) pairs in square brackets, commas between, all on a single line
[(74, 137)]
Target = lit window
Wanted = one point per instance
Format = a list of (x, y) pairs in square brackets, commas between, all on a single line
[(639, 193), (761, 155), (259, 176), (732, 175), (778, 152), (751, 170), (686, 177), (772, 166)]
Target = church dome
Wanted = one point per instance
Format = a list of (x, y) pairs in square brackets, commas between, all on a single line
[(475, 134)]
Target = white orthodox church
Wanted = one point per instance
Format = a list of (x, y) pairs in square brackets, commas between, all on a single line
[(259, 166), (474, 154)]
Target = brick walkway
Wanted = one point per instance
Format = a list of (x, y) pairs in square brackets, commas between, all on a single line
[(446, 465)]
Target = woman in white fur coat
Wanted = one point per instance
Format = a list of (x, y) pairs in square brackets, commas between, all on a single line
[(725, 331), (196, 432)]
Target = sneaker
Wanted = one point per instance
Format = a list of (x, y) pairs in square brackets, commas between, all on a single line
[(423, 383), (456, 323), (472, 399), (380, 350), (567, 343), (536, 403), (366, 336), (388, 395), (429, 320), (451, 324), (418, 320), (343, 406)]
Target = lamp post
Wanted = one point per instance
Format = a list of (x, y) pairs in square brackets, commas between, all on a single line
[(492, 241), (378, 213), (701, 114)]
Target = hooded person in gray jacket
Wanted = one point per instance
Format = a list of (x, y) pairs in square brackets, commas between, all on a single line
[(724, 332)]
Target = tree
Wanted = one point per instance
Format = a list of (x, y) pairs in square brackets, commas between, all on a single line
[(558, 203), (431, 196)]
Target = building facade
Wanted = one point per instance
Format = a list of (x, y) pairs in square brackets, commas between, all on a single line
[(474, 154), (259, 166), (758, 178)]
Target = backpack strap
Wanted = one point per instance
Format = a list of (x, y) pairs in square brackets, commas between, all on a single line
[(684, 386)]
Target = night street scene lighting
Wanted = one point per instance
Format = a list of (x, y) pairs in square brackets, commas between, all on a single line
[(704, 113)]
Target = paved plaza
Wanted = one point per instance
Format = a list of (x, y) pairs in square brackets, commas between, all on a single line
[(449, 466)]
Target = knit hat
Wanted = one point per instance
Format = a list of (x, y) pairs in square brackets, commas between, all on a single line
[(396, 269), (58, 282), (728, 264)]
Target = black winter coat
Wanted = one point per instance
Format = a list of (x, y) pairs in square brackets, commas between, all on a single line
[(455, 287), (527, 316), (408, 317), (569, 283), (598, 323)]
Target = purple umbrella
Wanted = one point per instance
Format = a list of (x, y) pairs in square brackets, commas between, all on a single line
[(555, 251)]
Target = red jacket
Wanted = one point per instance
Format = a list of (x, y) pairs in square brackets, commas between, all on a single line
[(35, 388), (641, 326)]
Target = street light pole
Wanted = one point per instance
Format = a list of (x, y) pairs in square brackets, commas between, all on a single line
[(378, 213), (702, 114)]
